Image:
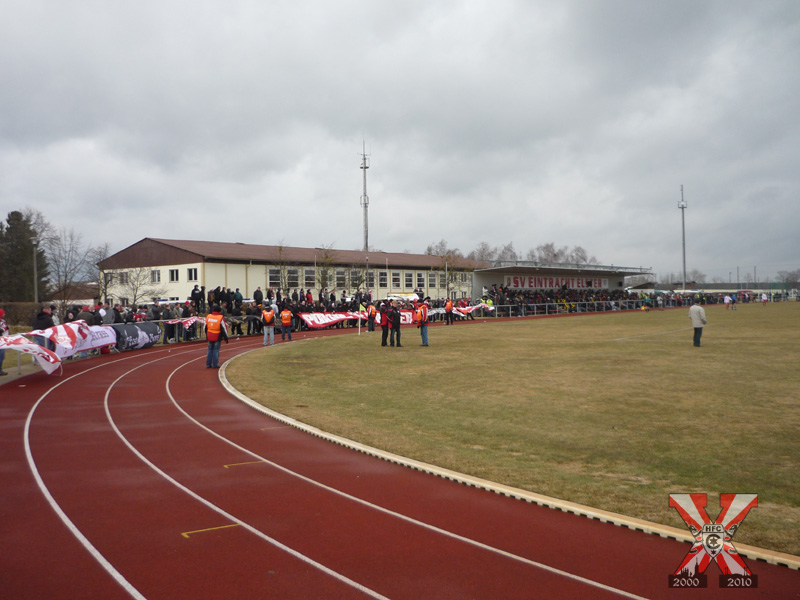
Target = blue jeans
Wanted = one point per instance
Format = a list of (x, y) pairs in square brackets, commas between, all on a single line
[(212, 358), (423, 331), (286, 330), (269, 335)]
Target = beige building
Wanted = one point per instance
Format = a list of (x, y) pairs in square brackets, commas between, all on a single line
[(169, 269)]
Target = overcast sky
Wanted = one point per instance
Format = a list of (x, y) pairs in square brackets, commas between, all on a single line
[(573, 122)]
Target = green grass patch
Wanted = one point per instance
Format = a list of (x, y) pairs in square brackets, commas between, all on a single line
[(615, 411)]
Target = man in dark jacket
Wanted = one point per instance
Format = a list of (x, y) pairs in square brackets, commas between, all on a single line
[(44, 320), (394, 320)]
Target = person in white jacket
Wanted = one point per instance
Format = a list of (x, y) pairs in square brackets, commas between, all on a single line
[(698, 317)]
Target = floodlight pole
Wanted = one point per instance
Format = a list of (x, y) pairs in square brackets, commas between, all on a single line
[(682, 206), (35, 274), (365, 198)]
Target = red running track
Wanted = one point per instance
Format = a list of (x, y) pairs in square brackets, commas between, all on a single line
[(139, 476)]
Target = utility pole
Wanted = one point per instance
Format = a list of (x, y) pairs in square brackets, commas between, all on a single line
[(682, 206)]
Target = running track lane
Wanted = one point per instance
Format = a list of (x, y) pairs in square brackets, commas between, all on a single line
[(181, 491)]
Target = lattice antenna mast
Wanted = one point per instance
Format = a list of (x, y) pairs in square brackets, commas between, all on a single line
[(365, 198)]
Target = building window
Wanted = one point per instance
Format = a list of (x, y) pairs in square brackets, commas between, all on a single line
[(191, 274), (420, 280), (341, 279), (310, 278), (173, 275), (275, 278), (395, 279), (109, 279), (124, 301), (409, 279), (123, 279), (155, 276), (370, 279), (292, 278), (431, 279), (442, 280), (356, 279), (383, 279)]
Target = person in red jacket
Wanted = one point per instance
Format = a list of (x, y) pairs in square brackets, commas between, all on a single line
[(216, 331)]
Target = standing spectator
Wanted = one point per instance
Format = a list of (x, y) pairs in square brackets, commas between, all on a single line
[(422, 320), (384, 323), (169, 328), (3, 333), (698, 317), (286, 324), (44, 320), (236, 318), (394, 319), (196, 295), (258, 297), (216, 331), (371, 314)]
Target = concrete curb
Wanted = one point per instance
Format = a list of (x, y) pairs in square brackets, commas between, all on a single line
[(681, 535)]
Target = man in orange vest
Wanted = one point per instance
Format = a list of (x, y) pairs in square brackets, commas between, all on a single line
[(371, 313), (422, 320), (448, 312), (268, 321), (216, 331), (286, 323)]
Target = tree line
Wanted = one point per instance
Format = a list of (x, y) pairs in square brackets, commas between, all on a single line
[(40, 261), (544, 253)]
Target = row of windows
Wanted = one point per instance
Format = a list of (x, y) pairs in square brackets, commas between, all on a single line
[(340, 279)]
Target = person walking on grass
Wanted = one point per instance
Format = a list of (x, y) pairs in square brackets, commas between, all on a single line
[(698, 318)]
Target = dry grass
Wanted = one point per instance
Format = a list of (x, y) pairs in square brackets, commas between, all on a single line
[(615, 411)]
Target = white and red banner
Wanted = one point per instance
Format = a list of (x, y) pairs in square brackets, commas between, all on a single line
[(77, 336), (320, 320), (543, 282), (49, 361)]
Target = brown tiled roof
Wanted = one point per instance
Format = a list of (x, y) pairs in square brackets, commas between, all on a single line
[(239, 252)]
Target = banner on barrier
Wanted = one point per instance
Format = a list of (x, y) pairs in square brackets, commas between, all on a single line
[(49, 361), (134, 336)]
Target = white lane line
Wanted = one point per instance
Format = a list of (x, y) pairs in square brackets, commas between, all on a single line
[(94, 552), (217, 509), (397, 515)]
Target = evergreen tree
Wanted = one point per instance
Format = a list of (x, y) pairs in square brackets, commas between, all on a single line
[(17, 242)]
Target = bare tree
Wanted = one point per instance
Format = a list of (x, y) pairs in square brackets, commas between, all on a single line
[(442, 249), (93, 272), (137, 285), (483, 253), (68, 258), (507, 252)]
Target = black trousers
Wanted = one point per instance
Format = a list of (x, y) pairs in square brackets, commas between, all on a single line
[(698, 333)]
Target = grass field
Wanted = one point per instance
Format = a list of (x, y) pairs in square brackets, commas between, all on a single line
[(615, 411)]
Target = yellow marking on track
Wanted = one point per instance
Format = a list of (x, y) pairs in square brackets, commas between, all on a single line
[(252, 462), (278, 427), (186, 534)]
